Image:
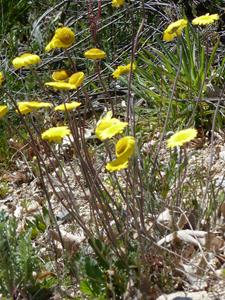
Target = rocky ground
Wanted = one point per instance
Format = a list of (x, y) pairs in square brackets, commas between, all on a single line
[(202, 259)]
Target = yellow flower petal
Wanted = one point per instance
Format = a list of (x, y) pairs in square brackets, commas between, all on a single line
[(205, 19), (125, 147), (67, 106), (25, 60), (108, 127), (60, 85), (112, 130), (124, 150), (63, 38), (2, 78), (174, 30), (77, 78), (181, 137), (95, 54), (55, 134), (168, 37), (25, 107), (36, 104), (116, 165), (3, 110), (60, 75), (117, 3), (120, 70)]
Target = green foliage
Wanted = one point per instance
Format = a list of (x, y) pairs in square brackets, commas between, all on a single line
[(190, 66), (13, 13), (103, 275), (4, 146), (3, 189), (19, 262)]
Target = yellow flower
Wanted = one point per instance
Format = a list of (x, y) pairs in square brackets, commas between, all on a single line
[(63, 38), (108, 127), (3, 110), (25, 60), (124, 150), (55, 134), (181, 137), (60, 85), (67, 106), (117, 3), (125, 147), (117, 165), (1, 78), (205, 19), (174, 30), (77, 78), (120, 70), (60, 75), (95, 53), (25, 107)]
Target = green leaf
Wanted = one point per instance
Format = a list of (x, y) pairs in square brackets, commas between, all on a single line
[(86, 288)]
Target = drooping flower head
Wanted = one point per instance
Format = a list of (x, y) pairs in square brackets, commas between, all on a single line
[(120, 70), (117, 3), (3, 110), (174, 29), (67, 106), (2, 78), (25, 60), (63, 38), (95, 54), (108, 127), (77, 79), (60, 85), (25, 107), (205, 19), (60, 75), (125, 147), (124, 150), (55, 134), (181, 137)]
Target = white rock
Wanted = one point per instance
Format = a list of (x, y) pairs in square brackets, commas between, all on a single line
[(185, 296)]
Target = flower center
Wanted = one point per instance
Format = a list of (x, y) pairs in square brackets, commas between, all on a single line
[(66, 38), (121, 149)]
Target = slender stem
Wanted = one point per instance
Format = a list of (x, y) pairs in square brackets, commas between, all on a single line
[(107, 93)]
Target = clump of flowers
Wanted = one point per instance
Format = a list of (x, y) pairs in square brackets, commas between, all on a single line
[(117, 3), (181, 137), (205, 19), (67, 106), (55, 134), (25, 107), (124, 150), (3, 110), (95, 54), (174, 30), (108, 127), (63, 38), (120, 70), (25, 60), (60, 75)]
